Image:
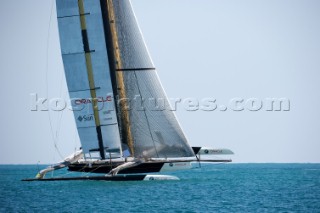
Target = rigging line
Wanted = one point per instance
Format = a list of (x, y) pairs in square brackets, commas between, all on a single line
[(60, 95), (59, 126), (47, 86), (75, 139), (59, 121), (66, 174), (63, 175)]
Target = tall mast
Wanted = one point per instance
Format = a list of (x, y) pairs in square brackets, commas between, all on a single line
[(116, 64)]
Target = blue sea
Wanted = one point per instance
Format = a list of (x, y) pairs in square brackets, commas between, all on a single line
[(214, 188)]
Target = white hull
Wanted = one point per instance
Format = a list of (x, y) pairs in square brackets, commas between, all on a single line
[(160, 177)]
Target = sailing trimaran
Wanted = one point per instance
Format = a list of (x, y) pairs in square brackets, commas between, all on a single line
[(112, 83)]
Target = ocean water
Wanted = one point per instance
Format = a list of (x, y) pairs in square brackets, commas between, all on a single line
[(214, 188)]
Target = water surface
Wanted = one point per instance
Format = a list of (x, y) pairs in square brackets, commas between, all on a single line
[(214, 188)]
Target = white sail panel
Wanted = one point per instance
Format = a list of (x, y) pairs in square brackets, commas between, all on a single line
[(100, 69), (111, 138), (76, 72), (92, 6), (67, 8), (89, 140), (70, 35)]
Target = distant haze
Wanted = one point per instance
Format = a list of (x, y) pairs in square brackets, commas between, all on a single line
[(224, 50)]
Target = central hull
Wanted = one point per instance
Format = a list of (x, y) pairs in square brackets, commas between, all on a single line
[(148, 167)]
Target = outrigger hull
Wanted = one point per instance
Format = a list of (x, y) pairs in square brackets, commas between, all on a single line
[(109, 178)]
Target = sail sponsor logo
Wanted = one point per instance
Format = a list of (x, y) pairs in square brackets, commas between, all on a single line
[(106, 115), (180, 164), (73, 104), (92, 100), (177, 164), (85, 118), (90, 117)]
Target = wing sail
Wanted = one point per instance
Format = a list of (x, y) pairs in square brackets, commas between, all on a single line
[(88, 77)]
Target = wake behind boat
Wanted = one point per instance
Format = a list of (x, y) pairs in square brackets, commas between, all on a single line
[(123, 116)]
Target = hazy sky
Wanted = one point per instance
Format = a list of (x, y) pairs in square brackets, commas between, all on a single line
[(202, 49)]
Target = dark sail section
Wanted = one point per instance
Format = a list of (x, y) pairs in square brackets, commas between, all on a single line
[(152, 131)]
